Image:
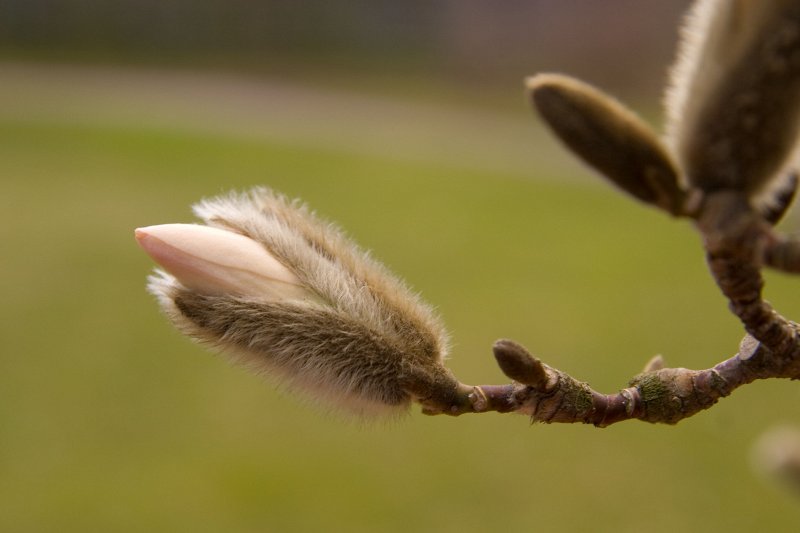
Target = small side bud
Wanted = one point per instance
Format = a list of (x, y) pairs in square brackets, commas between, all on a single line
[(610, 138), (518, 364), (654, 364)]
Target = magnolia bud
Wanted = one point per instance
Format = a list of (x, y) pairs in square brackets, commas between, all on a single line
[(288, 295), (215, 261), (734, 102), (609, 137)]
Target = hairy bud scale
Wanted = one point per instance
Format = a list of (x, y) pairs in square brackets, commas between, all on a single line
[(733, 107), (320, 315)]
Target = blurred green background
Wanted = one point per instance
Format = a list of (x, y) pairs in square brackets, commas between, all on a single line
[(403, 122)]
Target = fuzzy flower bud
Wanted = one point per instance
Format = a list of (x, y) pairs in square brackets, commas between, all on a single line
[(609, 137), (734, 102), (287, 295)]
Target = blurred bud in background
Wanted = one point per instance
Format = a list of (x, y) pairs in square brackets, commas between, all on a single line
[(777, 455)]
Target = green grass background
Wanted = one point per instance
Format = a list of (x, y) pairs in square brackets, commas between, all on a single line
[(111, 421)]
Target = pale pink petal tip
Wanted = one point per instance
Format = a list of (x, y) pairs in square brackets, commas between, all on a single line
[(215, 261)]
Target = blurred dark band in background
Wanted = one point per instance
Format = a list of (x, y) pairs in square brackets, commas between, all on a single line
[(470, 41)]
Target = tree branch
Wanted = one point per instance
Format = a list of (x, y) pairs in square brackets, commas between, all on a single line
[(737, 241), (665, 395)]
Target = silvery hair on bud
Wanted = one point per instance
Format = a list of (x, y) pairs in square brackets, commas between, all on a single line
[(363, 342), (734, 102)]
